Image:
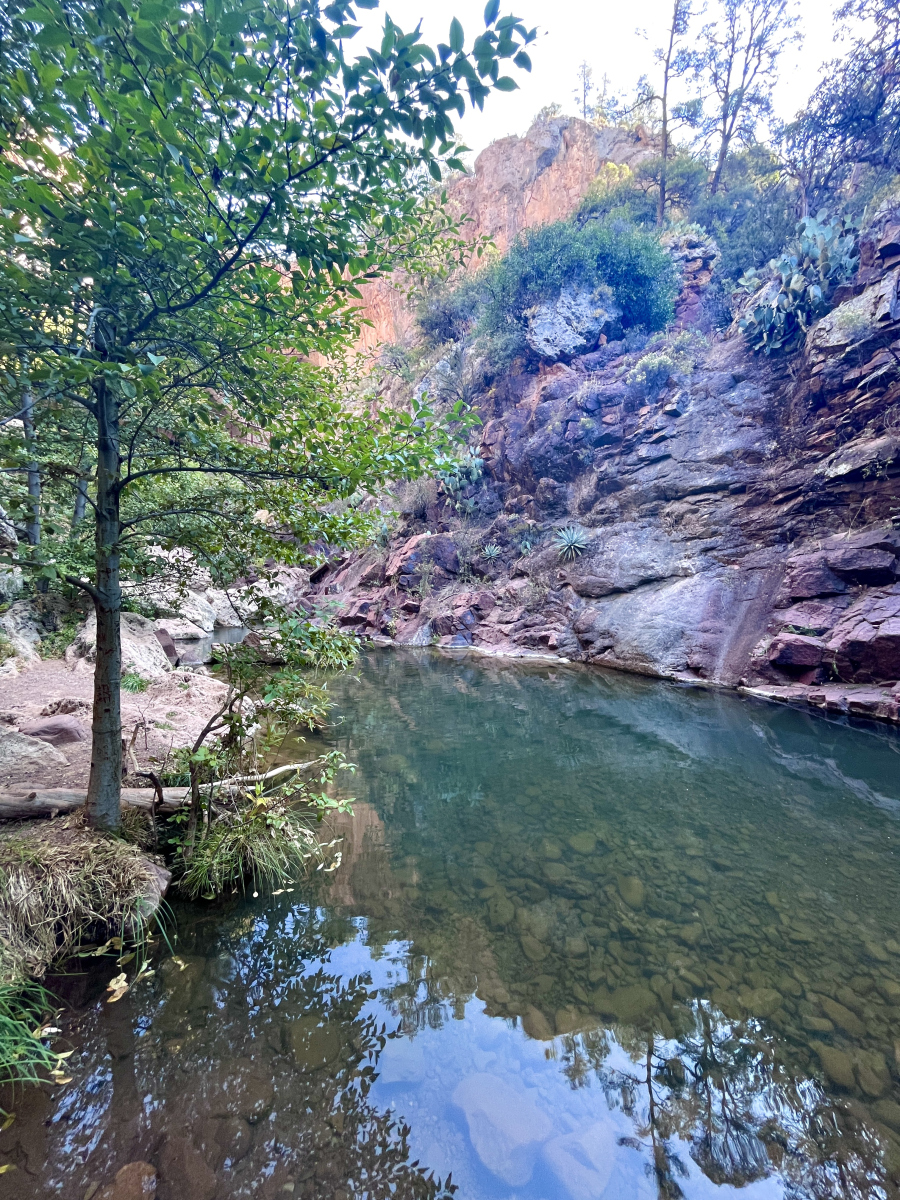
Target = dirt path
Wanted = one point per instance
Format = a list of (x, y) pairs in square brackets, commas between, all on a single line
[(169, 714)]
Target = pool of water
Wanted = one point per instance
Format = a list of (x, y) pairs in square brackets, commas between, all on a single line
[(592, 936)]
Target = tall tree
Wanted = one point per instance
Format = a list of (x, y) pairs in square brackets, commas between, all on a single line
[(677, 59), (584, 90), (188, 191), (739, 56)]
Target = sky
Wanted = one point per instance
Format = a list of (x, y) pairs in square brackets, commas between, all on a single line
[(603, 33)]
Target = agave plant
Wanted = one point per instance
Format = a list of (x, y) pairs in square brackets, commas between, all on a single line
[(570, 543), (491, 552)]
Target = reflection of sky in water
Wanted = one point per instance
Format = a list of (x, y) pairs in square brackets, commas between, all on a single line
[(535, 1136)]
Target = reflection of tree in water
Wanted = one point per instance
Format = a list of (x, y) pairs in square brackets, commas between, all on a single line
[(719, 1091), (253, 1072)]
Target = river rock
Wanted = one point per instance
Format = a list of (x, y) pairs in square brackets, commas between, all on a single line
[(583, 1161), (535, 951), (183, 1170), (631, 1003), (55, 730), (402, 1061), (836, 1064), (583, 843), (888, 1111), (135, 1181), (536, 1024), (632, 891), (506, 1127), (843, 1017), (315, 1042), (18, 751)]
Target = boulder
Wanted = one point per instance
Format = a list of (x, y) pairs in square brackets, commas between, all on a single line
[(57, 730), (796, 650), (571, 324), (18, 751), (67, 704), (583, 1161), (866, 652), (141, 652), (505, 1126), (22, 629)]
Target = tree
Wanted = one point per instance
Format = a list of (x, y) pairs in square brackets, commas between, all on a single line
[(584, 90), (739, 58), (187, 193), (677, 59), (857, 104)]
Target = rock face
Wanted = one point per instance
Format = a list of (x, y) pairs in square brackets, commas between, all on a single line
[(740, 524), (517, 183)]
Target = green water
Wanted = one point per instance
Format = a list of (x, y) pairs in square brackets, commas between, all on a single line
[(592, 936)]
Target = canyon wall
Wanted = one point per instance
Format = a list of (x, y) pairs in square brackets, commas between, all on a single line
[(739, 521), (517, 183)]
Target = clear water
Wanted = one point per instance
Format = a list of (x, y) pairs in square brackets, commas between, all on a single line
[(593, 936)]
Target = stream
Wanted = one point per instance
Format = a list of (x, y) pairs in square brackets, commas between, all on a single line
[(592, 936)]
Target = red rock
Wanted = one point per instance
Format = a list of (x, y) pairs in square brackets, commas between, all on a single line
[(357, 614), (413, 554), (867, 653), (796, 650), (167, 642), (373, 575), (809, 576), (871, 567), (58, 731)]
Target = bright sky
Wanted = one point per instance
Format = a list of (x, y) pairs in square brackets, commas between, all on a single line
[(600, 32)]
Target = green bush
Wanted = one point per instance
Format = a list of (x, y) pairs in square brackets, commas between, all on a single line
[(132, 682), (55, 644), (7, 650), (824, 255), (542, 261)]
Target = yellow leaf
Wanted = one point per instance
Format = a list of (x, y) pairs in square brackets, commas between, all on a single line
[(10, 1117), (7, 1167), (120, 981)]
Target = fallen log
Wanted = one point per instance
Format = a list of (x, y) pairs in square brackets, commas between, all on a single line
[(18, 804)]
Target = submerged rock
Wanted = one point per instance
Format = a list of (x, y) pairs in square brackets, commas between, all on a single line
[(506, 1127)]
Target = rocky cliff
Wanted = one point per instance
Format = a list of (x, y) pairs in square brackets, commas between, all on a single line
[(517, 183), (738, 514)]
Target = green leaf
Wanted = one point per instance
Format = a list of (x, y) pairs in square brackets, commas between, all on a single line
[(434, 170), (491, 11), (457, 37), (506, 84)]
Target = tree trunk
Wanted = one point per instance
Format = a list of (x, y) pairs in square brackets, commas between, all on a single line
[(661, 203), (105, 785), (720, 166), (33, 527), (80, 501)]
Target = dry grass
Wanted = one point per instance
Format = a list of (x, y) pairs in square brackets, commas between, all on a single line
[(61, 883)]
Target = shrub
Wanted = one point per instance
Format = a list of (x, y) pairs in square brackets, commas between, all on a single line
[(824, 255), (544, 260), (676, 356), (447, 312), (491, 552)]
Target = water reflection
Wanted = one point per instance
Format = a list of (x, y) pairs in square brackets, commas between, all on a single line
[(592, 937)]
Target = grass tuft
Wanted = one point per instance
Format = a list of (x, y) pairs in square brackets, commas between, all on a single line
[(261, 844), (132, 682)]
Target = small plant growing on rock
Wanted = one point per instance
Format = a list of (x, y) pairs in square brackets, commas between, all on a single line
[(491, 552), (570, 543)]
